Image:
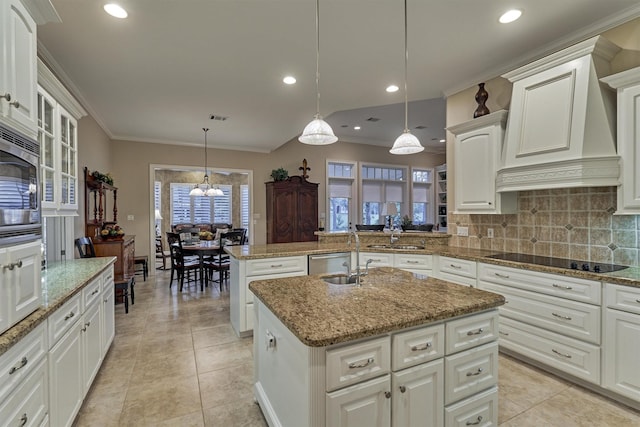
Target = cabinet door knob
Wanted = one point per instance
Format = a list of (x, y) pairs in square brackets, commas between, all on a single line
[(387, 394), (6, 96), (402, 389), (15, 104)]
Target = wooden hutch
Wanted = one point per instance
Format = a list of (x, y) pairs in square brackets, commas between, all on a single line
[(292, 210), (98, 195)]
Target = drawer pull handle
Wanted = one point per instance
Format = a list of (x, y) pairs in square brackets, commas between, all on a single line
[(478, 332), (506, 334), (95, 292), (421, 347), (568, 288), (560, 316), (363, 364), (12, 265), (375, 260), (455, 266), (638, 301), (276, 265), (69, 316), (502, 276), (402, 389), (568, 356), (476, 422), (23, 420), (473, 374), (22, 364), (412, 262)]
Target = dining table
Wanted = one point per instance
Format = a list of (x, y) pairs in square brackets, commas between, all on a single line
[(202, 249)]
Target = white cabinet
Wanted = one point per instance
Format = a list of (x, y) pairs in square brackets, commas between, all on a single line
[(628, 85), (20, 284), (477, 154), (378, 259), (622, 340), (244, 272), (415, 263), (560, 130), (365, 404), (58, 113), (417, 395), (108, 310), (460, 271), (18, 70)]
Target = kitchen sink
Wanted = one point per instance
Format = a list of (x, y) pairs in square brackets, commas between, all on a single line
[(340, 279), (395, 246)]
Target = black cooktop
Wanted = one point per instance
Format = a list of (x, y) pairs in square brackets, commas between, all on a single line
[(593, 267)]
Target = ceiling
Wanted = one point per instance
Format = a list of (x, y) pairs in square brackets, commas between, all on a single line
[(158, 75)]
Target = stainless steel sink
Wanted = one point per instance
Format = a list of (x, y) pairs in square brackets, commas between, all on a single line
[(379, 246), (340, 279), (395, 246)]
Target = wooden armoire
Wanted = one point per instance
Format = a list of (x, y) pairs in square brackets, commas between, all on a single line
[(292, 210)]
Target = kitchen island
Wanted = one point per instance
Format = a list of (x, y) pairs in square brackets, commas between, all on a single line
[(398, 349)]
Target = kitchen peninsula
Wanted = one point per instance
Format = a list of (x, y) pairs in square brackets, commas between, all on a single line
[(343, 355)]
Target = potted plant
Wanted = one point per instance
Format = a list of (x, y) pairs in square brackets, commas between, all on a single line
[(279, 174), (406, 223)]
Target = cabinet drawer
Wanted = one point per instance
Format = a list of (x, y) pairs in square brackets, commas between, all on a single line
[(357, 362), (459, 267), (469, 372), (575, 357), (471, 331), (480, 410), (64, 318), (29, 404), (582, 290), (20, 359), (277, 265), (571, 318), (91, 292), (377, 259), (417, 346), (413, 262), (625, 298)]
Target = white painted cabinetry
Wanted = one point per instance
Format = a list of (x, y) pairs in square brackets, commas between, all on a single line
[(456, 270), (477, 153), (622, 340), (553, 319), (18, 70), (628, 85), (244, 272), (20, 282)]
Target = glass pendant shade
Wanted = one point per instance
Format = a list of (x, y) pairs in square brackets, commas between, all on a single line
[(214, 192), (196, 191), (204, 188), (318, 132), (406, 143)]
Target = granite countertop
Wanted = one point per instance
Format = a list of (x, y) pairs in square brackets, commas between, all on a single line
[(60, 281), (390, 299)]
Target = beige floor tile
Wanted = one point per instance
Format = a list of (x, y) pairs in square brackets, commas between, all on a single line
[(215, 335), (222, 356), (158, 365), (195, 419), (226, 385), (244, 413)]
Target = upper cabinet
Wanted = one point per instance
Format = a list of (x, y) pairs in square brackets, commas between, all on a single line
[(628, 85), (477, 154), (58, 113), (561, 130), (18, 68)]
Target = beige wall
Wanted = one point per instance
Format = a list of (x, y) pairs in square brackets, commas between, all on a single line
[(568, 223)]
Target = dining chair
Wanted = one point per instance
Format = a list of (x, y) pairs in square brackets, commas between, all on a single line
[(85, 247), (180, 264), (221, 262), (161, 253)]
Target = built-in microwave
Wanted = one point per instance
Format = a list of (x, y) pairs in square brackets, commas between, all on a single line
[(20, 218)]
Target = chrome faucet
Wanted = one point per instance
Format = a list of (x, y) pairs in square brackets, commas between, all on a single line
[(357, 239), (393, 237)]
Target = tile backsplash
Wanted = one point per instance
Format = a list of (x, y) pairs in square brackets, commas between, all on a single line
[(576, 223)]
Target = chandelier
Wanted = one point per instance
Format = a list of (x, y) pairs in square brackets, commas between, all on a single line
[(204, 188), (406, 143)]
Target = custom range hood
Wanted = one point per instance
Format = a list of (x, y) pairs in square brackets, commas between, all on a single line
[(561, 128)]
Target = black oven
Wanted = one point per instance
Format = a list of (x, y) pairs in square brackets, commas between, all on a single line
[(20, 219)]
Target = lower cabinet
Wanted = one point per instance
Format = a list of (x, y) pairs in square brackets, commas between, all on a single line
[(417, 395), (460, 271), (365, 404)]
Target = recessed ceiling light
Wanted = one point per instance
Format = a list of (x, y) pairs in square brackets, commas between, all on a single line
[(510, 16), (289, 80), (115, 10), (392, 88), (356, 127)]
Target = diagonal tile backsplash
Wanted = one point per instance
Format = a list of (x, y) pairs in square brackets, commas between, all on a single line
[(576, 223)]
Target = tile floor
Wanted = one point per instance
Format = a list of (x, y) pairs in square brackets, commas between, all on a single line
[(175, 361)]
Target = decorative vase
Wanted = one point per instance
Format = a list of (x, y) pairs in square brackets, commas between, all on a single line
[(481, 98)]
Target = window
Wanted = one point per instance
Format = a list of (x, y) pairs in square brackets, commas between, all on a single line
[(422, 194), (380, 185), (244, 206), (340, 179), (197, 209), (157, 194)]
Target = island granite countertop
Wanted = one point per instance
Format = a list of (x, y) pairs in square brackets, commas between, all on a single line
[(322, 314), (60, 282)]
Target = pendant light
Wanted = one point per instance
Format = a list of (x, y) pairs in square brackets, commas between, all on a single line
[(205, 189), (318, 132), (406, 143)]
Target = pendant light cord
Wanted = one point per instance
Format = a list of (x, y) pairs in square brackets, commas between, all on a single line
[(406, 59), (206, 172), (318, 59)]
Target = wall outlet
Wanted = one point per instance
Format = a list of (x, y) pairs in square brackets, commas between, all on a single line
[(490, 233), (130, 217), (463, 231)]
